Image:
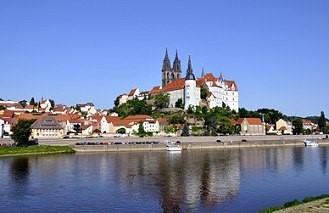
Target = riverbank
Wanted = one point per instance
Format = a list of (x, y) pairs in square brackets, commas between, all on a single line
[(34, 150), (190, 143), (308, 204), (131, 144), (319, 206)]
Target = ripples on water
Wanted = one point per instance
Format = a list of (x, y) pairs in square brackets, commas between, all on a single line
[(245, 180)]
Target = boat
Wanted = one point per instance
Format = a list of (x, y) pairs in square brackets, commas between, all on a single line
[(310, 143), (173, 147)]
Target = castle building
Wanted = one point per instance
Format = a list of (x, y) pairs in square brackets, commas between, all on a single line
[(221, 92)]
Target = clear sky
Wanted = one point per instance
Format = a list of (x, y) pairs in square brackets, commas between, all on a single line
[(78, 51)]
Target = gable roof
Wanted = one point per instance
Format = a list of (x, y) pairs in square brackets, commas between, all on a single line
[(231, 85), (132, 92), (254, 121), (47, 122), (175, 85)]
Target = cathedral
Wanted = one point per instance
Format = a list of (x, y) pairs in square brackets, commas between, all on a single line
[(187, 88)]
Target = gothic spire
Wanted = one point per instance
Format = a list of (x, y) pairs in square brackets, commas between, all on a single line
[(166, 63), (176, 65), (189, 72), (202, 74)]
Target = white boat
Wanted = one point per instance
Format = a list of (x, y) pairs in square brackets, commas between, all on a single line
[(310, 143), (173, 147)]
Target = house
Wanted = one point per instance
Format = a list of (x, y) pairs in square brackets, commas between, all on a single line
[(309, 125), (87, 129), (250, 126), (88, 108), (283, 127), (45, 105), (47, 127)]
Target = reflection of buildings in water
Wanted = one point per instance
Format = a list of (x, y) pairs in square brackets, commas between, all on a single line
[(323, 158), (269, 158), (19, 173), (184, 180), (215, 179)]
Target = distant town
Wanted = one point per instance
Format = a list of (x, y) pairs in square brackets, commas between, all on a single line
[(182, 105)]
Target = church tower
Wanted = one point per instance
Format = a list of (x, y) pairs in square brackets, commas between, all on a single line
[(170, 74), (190, 91)]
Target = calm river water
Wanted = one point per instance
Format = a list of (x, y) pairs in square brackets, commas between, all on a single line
[(237, 180)]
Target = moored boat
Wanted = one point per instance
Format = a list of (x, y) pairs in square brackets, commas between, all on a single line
[(173, 147), (310, 143)]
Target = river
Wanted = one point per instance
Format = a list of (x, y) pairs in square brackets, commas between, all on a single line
[(230, 180)]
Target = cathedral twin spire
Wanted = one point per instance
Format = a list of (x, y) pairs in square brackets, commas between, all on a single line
[(170, 74)]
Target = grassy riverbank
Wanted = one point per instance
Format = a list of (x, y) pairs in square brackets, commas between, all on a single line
[(16, 150), (318, 204)]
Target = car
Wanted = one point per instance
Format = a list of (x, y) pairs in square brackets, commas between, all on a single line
[(218, 141), (244, 140)]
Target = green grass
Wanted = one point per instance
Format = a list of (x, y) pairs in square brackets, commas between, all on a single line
[(293, 203), (16, 150)]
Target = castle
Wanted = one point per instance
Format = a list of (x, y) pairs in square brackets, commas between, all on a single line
[(221, 92)]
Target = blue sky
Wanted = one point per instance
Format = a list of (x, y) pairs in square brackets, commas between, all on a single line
[(92, 51)]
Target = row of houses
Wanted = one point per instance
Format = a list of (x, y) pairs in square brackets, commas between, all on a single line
[(49, 125)]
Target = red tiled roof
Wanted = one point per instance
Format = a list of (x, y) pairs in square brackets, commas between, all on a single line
[(283, 128), (137, 118), (132, 92), (156, 90), (175, 85), (230, 85), (254, 121)]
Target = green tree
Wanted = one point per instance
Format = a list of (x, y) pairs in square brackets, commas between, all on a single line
[(141, 130), (52, 104), (161, 101), (298, 126), (2, 107), (179, 103), (23, 103), (77, 128), (22, 131), (121, 131), (203, 92), (176, 119), (185, 130), (322, 122), (117, 101), (32, 102)]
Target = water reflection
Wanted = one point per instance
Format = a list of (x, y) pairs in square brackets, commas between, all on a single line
[(237, 180), (19, 173), (298, 158), (324, 159)]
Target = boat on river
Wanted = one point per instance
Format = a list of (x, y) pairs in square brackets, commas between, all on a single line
[(310, 143), (173, 147)]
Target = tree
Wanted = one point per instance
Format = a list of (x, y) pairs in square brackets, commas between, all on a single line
[(52, 104), (121, 131), (117, 101), (322, 122), (298, 126), (203, 92), (161, 101), (22, 131), (32, 102), (23, 103), (179, 103), (141, 130), (77, 128), (186, 130)]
